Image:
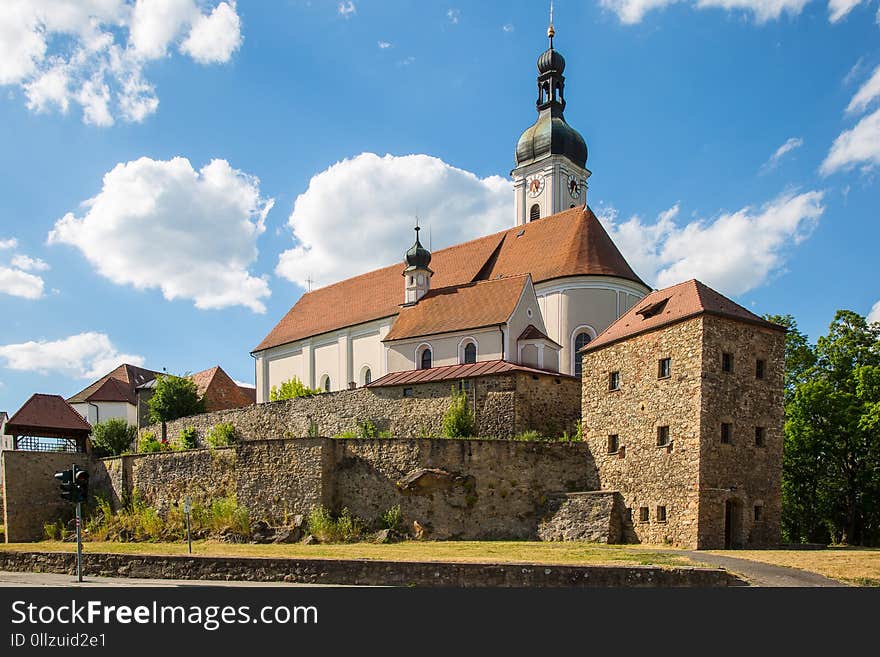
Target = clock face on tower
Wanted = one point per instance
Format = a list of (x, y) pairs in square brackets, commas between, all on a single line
[(535, 185), (574, 187)]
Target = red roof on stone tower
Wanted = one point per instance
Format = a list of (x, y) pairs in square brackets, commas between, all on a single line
[(674, 304), (569, 243)]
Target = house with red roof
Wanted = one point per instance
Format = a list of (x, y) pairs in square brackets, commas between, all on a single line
[(532, 295)]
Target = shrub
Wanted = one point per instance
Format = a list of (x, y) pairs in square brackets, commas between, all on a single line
[(392, 518), (174, 397), (347, 434), (291, 389), (187, 438), (112, 437), (344, 528), (54, 531), (148, 443), (458, 421), (221, 435), (314, 431)]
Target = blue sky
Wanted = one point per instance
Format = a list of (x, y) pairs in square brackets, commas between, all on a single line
[(172, 178)]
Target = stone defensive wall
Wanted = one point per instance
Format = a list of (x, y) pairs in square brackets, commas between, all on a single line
[(504, 406), (453, 488)]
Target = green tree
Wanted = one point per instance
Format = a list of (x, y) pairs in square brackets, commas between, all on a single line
[(112, 437), (291, 389), (831, 480), (174, 397)]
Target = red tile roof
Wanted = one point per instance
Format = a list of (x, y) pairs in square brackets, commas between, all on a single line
[(570, 243), (219, 391), (129, 375), (458, 308), (453, 372), (47, 416), (674, 304)]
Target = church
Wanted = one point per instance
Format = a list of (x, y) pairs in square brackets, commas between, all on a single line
[(533, 295)]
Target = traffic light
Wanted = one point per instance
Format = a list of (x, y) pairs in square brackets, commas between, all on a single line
[(74, 484)]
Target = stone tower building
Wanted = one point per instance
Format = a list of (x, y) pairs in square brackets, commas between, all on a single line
[(682, 408)]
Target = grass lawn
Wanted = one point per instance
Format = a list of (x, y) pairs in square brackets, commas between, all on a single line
[(855, 565), (495, 551)]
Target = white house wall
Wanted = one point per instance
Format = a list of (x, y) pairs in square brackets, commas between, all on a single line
[(103, 411)]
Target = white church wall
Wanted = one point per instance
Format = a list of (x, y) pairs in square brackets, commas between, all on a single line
[(527, 311), (403, 354), (327, 364), (583, 301)]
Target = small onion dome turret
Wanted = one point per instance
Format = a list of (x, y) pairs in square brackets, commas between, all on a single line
[(551, 61), (418, 257)]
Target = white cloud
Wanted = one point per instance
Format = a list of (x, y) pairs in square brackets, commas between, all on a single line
[(838, 9), (454, 16), (791, 144), (874, 315), (214, 37), (633, 11), (84, 356), (161, 224), (866, 94), (359, 214), (244, 384), (346, 9), (17, 279), (92, 52), (860, 145), (508, 27), (734, 253), (18, 283), (26, 263), (384, 44)]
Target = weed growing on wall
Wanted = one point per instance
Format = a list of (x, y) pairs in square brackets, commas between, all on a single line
[(187, 438), (221, 435), (458, 421)]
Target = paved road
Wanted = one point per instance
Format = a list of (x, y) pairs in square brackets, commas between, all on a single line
[(8, 579), (763, 574)]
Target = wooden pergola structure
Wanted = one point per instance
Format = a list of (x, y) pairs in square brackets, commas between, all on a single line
[(47, 423)]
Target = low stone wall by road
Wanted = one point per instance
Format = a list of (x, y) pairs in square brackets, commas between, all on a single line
[(505, 405), (365, 572)]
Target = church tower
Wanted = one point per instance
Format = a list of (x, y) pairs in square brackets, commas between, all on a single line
[(551, 156), (416, 275)]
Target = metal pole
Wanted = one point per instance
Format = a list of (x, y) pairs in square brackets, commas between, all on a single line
[(187, 507), (79, 545)]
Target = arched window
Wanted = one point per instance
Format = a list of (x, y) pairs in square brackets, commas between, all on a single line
[(581, 341), (367, 376), (426, 359), (470, 353), (535, 212), (325, 383)]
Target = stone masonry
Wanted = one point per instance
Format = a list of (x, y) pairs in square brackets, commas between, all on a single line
[(708, 490), (505, 405)]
